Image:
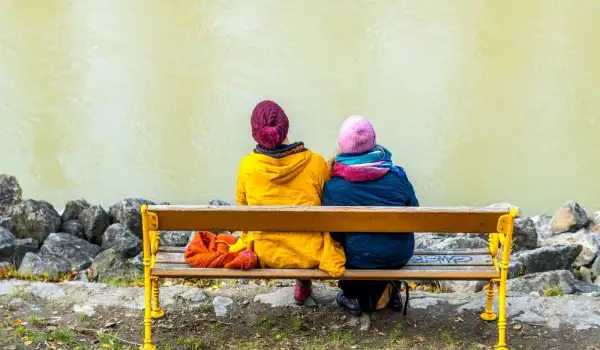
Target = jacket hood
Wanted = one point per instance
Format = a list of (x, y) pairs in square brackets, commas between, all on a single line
[(281, 170)]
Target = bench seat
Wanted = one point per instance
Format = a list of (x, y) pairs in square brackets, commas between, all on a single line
[(425, 265)]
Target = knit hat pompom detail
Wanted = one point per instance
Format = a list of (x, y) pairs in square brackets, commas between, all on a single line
[(269, 124), (356, 135)]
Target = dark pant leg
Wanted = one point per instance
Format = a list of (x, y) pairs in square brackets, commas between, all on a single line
[(368, 293)]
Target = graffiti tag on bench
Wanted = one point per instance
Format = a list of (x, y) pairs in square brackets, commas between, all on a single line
[(440, 259)]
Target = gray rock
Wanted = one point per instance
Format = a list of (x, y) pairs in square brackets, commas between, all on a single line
[(87, 310), (585, 287), (569, 218), (94, 220), (34, 219), (22, 247), (5, 223), (74, 228), (219, 202), (462, 286), (137, 261), (74, 208), (524, 235), (595, 268), (595, 222), (6, 243), (36, 265), (78, 252), (175, 238), (221, 305), (539, 282), (543, 225), (547, 258), (586, 274), (127, 212), (46, 291), (589, 242), (118, 237), (10, 192), (110, 264), (437, 243)]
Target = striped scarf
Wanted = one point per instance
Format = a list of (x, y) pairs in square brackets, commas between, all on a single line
[(368, 166)]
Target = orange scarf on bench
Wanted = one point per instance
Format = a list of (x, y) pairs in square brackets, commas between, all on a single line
[(210, 250)]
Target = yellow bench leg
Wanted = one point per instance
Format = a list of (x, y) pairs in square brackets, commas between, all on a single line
[(502, 312), (156, 311), (489, 314), (147, 308)]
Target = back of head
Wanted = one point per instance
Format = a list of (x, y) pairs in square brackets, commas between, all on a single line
[(269, 124), (356, 135)]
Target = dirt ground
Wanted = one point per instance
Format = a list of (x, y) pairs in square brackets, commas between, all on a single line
[(31, 323)]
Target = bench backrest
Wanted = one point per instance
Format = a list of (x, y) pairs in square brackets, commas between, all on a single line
[(326, 219)]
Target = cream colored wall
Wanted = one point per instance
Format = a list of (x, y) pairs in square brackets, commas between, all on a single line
[(480, 101)]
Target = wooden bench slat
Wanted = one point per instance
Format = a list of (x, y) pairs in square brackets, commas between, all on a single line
[(328, 219), (406, 273), (482, 251), (446, 259)]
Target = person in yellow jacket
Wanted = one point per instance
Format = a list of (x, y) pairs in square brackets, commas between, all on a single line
[(277, 172)]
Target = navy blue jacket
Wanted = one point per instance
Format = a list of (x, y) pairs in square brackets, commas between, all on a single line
[(373, 250)]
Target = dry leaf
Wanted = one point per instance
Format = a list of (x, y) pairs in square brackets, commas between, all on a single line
[(28, 342), (420, 338)]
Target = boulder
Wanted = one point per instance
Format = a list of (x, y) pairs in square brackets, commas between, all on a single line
[(445, 243), (37, 265), (6, 243), (76, 251), (590, 243), (94, 220), (22, 247), (74, 228), (110, 264), (595, 268), (218, 202), (74, 208), (119, 238), (127, 212), (546, 258), (175, 238), (137, 261), (34, 219), (569, 218), (10, 193), (5, 223), (462, 286), (586, 274), (539, 282), (595, 222), (543, 225), (524, 235)]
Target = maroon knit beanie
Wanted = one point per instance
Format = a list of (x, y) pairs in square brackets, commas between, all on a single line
[(269, 124)]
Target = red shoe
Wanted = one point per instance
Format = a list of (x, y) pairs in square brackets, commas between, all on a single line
[(302, 291)]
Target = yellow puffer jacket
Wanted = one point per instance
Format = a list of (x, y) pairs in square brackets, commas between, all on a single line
[(296, 179)]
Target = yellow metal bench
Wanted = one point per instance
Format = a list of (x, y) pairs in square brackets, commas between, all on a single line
[(474, 264)]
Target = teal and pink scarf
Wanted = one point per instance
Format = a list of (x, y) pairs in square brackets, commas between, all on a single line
[(368, 166)]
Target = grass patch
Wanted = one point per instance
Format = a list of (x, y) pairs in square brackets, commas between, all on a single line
[(65, 336), (268, 322), (36, 321), (189, 343), (552, 292), (447, 338), (342, 338)]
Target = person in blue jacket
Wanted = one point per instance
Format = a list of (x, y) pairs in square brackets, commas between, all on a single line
[(363, 174)]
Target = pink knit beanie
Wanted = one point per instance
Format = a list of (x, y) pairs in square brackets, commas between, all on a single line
[(356, 135)]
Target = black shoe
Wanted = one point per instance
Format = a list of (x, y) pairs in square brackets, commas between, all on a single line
[(350, 306), (396, 298)]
